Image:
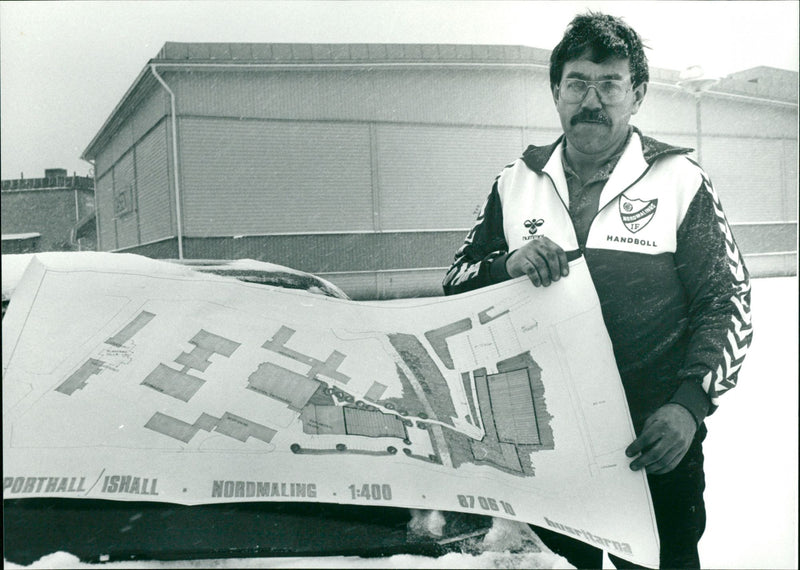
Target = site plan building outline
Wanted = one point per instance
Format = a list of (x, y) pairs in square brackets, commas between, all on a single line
[(176, 386)]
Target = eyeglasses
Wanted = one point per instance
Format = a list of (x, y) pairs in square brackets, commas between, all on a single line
[(610, 91)]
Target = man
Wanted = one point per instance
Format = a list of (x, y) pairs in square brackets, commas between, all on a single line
[(674, 290)]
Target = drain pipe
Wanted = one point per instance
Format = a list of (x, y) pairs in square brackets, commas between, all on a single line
[(174, 159), (96, 209), (77, 210)]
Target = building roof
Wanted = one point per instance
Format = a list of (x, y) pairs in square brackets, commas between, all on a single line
[(216, 56), (762, 79), (19, 237), (51, 183), (243, 55), (248, 53)]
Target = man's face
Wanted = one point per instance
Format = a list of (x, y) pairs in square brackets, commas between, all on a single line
[(593, 126)]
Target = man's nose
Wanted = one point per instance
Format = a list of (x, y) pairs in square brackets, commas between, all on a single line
[(592, 99)]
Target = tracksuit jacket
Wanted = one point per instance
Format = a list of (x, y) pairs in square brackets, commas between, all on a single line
[(673, 287)]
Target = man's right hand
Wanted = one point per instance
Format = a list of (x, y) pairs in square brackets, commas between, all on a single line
[(541, 260)]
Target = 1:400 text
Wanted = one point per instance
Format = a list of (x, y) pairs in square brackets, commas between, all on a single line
[(372, 491)]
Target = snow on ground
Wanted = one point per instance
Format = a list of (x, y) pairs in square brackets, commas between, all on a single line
[(751, 449), (751, 470), (64, 561), (507, 545), (14, 266)]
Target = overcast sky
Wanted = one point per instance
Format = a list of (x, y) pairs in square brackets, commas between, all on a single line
[(65, 65)]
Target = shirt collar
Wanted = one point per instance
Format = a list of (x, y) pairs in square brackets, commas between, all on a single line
[(537, 157), (604, 172)]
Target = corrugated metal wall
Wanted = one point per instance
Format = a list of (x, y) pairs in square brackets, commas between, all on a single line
[(748, 174), (149, 113), (122, 141), (361, 252), (104, 198), (382, 161), (256, 177), (471, 95), (397, 149), (155, 198), (434, 177), (790, 178), (118, 166), (750, 151), (666, 111), (747, 118), (103, 163), (125, 185)]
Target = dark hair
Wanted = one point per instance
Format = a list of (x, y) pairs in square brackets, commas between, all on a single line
[(606, 37)]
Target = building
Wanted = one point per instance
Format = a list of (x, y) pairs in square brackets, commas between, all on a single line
[(50, 207), (761, 80), (21, 243), (367, 163)]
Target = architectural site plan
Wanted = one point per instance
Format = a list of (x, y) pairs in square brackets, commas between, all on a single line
[(141, 380)]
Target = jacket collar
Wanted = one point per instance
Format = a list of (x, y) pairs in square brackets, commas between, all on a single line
[(640, 153), (536, 157)]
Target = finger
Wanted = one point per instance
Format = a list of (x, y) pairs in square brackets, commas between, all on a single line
[(648, 438), (553, 264), (651, 456), (649, 444), (666, 464), (530, 270), (540, 265), (648, 457), (563, 262), (555, 257)]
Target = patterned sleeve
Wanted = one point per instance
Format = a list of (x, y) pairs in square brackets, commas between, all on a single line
[(718, 290), (480, 260)]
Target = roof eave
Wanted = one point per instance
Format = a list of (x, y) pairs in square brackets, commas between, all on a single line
[(143, 83)]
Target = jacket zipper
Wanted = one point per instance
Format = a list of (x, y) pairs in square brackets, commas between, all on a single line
[(591, 223), (566, 209)]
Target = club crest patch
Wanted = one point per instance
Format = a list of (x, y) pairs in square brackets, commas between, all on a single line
[(636, 214)]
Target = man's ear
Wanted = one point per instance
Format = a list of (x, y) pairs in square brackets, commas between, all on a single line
[(554, 91), (638, 97)]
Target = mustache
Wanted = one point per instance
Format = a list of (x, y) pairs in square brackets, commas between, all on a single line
[(590, 116)]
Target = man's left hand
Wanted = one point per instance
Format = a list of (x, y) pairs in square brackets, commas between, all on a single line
[(665, 439)]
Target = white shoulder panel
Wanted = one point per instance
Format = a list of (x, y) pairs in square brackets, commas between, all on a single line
[(644, 218), (532, 208)]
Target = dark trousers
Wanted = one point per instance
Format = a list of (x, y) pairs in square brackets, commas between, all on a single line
[(680, 517)]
